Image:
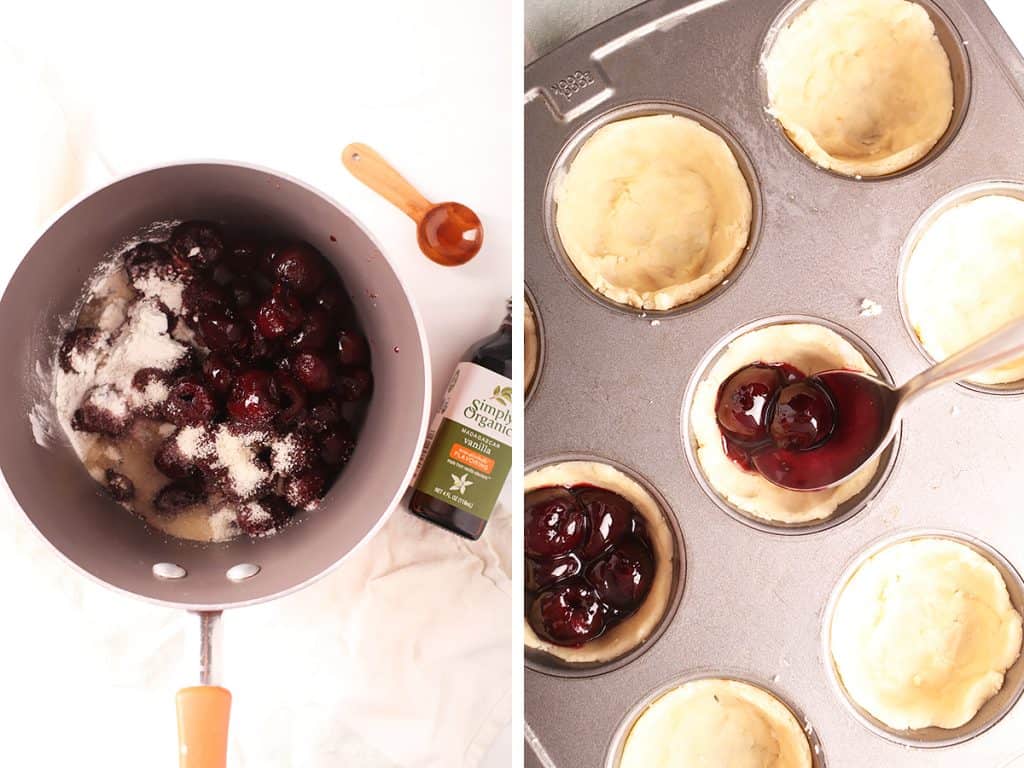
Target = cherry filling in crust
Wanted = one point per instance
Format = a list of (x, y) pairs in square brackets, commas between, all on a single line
[(801, 432), (589, 562), (274, 357)]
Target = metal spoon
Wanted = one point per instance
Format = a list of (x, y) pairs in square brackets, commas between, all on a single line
[(448, 233), (888, 402)]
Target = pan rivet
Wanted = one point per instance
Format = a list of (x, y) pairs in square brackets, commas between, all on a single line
[(169, 571), (242, 571)]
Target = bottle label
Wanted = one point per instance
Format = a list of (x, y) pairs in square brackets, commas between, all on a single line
[(468, 453)]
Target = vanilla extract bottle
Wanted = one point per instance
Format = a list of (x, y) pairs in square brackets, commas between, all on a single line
[(468, 453)]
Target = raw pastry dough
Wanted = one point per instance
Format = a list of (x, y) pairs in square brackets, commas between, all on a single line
[(721, 723), (810, 348), (923, 633), (965, 279), (623, 637), (654, 211), (862, 87)]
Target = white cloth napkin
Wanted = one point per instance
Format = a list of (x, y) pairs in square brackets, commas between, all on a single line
[(398, 658)]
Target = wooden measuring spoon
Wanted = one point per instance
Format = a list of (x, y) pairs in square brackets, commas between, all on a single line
[(448, 233)]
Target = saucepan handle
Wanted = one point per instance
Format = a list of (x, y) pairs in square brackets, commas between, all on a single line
[(204, 710), (203, 714)]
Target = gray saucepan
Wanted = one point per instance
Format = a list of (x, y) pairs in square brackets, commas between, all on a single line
[(89, 530)]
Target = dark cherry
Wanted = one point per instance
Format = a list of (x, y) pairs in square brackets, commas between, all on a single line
[(352, 348), (196, 244), (744, 401), (172, 462), (222, 331), (569, 613), (609, 519), (541, 574), (279, 315), (89, 418), (223, 275), (301, 267), (201, 296), (803, 417), (260, 349), (189, 403), (254, 398), (219, 372), (243, 251), (336, 446), (178, 495), (622, 577), (146, 376), (93, 417), (860, 422), (147, 259), (354, 384), (315, 333), (245, 292), (260, 517), (77, 340), (554, 523), (266, 259), (304, 489), (331, 298), (311, 371), (323, 415), (120, 487), (292, 398)]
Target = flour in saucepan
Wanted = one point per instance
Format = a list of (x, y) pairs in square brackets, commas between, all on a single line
[(105, 369)]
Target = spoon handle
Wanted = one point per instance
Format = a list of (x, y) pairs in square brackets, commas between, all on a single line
[(1004, 344), (373, 170)]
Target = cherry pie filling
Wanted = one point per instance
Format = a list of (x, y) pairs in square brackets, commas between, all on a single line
[(589, 562), (797, 430)]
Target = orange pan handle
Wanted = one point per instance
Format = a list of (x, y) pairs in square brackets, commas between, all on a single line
[(204, 709), (203, 714)]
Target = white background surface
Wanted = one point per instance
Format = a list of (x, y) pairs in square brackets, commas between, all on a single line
[(409, 654)]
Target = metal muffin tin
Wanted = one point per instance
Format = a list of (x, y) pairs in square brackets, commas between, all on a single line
[(615, 380)]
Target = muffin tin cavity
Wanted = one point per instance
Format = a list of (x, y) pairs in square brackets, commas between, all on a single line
[(960, 69), (992, 711), (547, 663), (945, 204), (533, 326), (641, 109), (846, 509), (621, 734)]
